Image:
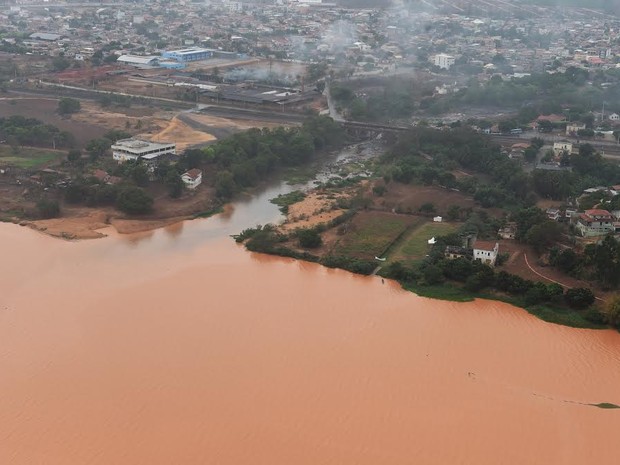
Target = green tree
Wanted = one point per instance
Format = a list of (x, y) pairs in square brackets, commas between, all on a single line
[(98, 147), (543, 235), (579, 297), (309, 238), (74, 155), (67, 106), (60, 63), (225, 185), (612, 310), (174, 184), (134, 201), (47, 208), (433, 275), (427, 208)]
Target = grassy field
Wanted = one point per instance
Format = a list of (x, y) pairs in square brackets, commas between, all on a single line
[(28, 157), (415, 245), (371, 233)]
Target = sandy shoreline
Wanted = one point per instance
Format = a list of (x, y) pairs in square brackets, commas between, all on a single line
[(91, 224)]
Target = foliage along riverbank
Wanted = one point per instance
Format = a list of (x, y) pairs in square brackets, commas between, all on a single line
[(454, 280)]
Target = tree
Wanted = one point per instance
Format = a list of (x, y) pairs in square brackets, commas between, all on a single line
[(433, 275), (47, 208), (116, 134), (606, 261), (579, 297), (427, 208), (225, 185), (134, 201), (309, 238), (74, 155), (612, 311), (454, 212), (174, 184), (67, 106), (541, 236), (60, 63), (545, 126), (98, 147)]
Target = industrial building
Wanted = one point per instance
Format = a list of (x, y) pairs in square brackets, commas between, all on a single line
[(136, 149), (188, 54), (138, 60)]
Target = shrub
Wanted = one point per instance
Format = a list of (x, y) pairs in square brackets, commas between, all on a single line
[(47, 208), (579, 297), (309, 238), (67, 105)]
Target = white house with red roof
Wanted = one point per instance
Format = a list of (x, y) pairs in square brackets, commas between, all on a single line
[(595, 222), (486, 252), (192, 178)]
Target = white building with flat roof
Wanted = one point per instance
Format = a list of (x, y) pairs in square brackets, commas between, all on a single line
[(443, 61), (135, 149)]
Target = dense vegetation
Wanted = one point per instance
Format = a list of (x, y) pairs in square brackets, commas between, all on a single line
[(540, 93), (428, 156), (463, 277), (19, 130), (243, 160)]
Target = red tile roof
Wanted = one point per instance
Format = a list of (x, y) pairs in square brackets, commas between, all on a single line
[(597, 212), (485, 245), (194, 173)]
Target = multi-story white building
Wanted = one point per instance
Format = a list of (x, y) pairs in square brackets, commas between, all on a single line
[(136, 149), (486, 252), (443, 61)]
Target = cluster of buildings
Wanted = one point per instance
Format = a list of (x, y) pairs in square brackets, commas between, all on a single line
[(475, 39), (485, 252), (151, 154)]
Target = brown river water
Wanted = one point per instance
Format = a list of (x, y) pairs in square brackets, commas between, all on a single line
[(180, 347)]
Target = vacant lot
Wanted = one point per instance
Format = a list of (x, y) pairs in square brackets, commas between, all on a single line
[(45, 110), (28, 157), (409, 198), (370, 233), (415, 246)]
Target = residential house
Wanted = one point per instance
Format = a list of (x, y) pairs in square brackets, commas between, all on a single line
[(486, 252), (563, 146), (192, 178), (453, 252), (508, 232), (573, 128), (595, 222), (553, 214)]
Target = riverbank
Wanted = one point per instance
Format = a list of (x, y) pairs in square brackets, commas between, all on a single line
[(331, 227)]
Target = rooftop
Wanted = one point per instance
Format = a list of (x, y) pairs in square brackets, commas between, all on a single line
[(485, 245), (140, 146)]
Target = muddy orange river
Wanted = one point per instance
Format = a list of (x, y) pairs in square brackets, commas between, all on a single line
[(179, 347)]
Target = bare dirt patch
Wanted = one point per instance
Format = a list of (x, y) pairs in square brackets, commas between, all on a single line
[(317, 208), (177, 131), (81, 224), (409, 198)]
